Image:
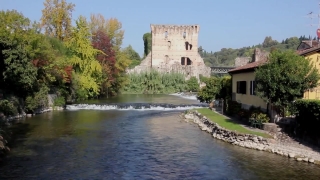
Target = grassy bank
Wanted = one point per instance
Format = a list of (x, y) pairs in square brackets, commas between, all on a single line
[(228, 123)]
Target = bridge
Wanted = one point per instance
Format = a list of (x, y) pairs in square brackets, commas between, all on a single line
[(220, 70)]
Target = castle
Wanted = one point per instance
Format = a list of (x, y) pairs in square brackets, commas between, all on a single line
[(174, 49)]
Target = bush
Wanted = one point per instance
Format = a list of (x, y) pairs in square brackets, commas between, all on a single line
[(233, 107), (192, 84), (154, 82), (59, 101), (262, 117), (8, 108), (37, 100), (308, 117)]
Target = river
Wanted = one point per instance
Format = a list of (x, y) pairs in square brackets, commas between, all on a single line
[(123, 140)]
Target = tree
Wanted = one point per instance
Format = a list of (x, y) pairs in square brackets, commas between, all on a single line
[(147, 42), (17, 75), (133, 56), (102, 42), (87, 70), (284, 78), (225, 88), (209, 92), (268, 42), (192, 84), (56, 18), (112, 27)]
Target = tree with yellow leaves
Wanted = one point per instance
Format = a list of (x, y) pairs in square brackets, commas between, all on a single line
[(57, 18), (87, 69)]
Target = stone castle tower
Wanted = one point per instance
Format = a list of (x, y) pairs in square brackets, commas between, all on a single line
[(174, 48)]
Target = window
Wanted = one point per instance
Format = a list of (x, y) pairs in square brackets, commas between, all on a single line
[(242, 87), (253, 86), (186, 45), (166, 34), (184, 35)]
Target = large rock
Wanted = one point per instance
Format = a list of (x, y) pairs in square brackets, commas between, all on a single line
[(270, 127)]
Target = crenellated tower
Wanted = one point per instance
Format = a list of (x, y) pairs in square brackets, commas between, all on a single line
[(175, 48)]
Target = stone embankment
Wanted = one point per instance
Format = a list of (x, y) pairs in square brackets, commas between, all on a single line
[(252, 141)]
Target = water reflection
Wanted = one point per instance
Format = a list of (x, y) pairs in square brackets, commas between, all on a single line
[(111, 144)]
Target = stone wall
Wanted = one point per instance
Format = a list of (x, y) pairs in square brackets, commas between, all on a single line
[(251, 141), (241, 61), (174, 49), (259, 55)]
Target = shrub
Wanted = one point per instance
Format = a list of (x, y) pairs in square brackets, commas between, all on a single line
[(192, 84), (8, 108), (59, 101), (262, 117), (233, 107), (37, 100), (308, 117)]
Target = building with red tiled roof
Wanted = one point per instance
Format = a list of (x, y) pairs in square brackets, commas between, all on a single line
[(243, 77), (243, 81)]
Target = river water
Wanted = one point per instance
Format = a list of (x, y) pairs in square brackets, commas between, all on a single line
[(135, 137)]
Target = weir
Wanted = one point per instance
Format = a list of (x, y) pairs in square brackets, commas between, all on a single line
[(135, 106)]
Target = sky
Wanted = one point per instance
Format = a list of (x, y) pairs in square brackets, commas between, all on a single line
[(223, 23)]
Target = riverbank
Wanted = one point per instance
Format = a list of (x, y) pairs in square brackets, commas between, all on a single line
[(303, 153)]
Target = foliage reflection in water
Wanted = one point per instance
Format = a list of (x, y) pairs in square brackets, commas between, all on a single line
[(90, 144)]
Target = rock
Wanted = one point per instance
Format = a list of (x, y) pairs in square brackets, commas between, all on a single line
[(299, 159), (255, 139), (305, 159), (311, 160), (29, 115), (291, 155)]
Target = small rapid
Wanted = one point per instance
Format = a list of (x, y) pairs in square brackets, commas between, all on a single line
[(135, 106)]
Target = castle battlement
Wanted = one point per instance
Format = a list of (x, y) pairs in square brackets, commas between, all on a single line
[(174, 29), (175, 48)]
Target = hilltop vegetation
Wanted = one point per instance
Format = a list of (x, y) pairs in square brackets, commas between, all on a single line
[(226, 56)]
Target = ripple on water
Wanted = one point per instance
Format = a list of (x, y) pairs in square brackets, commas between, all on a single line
[(137, 145)]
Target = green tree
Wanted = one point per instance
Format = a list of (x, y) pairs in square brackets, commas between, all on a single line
[(192, 84), (56, 18), (17, 74), (209, 92), (87, 69), (147, 41), (225, 88), (284, 78), (133, 56), (269, 42)]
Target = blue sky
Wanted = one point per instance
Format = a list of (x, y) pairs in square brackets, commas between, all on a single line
[(223, 23)]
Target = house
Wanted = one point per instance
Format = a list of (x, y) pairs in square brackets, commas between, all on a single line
[(311, 50), (243, 82), (243, 77)]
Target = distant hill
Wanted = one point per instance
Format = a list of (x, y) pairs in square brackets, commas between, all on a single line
[(226, 56)]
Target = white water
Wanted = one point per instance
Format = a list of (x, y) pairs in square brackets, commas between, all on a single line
[(192, 97), (130, 107)]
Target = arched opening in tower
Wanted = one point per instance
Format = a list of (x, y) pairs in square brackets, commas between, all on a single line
[(183, 61), (187, 45), (189, 62), (166, 34)]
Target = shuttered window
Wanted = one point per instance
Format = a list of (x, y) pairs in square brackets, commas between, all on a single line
[(242, 87)]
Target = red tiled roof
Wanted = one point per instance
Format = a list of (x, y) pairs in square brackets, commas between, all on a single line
[(306, 51), (248, 66)]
